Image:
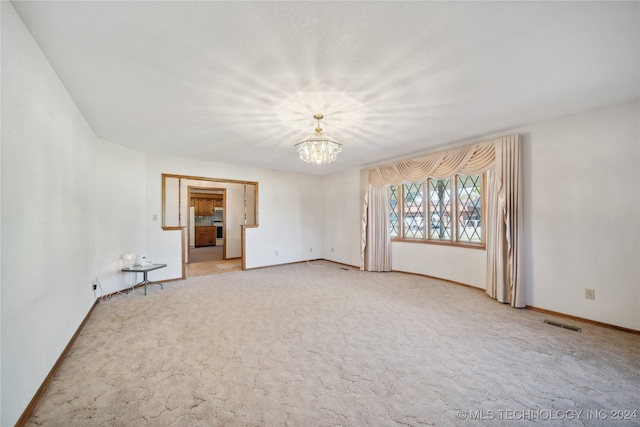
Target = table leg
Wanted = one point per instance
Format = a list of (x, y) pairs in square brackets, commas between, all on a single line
[(147, 282)]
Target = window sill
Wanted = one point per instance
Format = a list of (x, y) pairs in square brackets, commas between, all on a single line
[(481, 246)]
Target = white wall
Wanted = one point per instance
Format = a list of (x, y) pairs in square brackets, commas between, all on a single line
[(290, 218), (250, 204), (341, 217), (48, 217), (290, 211), (234, 219), (120, 228), (581, 213), (462, 265)]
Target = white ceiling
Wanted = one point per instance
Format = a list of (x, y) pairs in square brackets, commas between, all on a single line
[(239, 82)]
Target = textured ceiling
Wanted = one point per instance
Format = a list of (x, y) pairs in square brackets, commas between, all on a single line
[(239, 82)]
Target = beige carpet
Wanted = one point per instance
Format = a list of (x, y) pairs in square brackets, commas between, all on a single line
[(302, 345)]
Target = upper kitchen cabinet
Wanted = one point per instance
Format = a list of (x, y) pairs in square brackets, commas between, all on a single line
[(205, 204)]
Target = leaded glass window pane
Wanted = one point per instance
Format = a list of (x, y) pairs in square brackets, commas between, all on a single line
[(469, 208), (393, 215), (440, 209), (413, 225)]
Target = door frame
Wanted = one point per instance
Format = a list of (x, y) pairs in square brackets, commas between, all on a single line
[(179, 225), (190, 189)]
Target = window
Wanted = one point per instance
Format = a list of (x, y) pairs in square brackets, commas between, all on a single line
[(393, 216), (413, 210), (438, 210), (469, 212)]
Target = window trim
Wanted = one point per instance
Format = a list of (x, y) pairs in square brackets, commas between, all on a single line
[(426, 239)]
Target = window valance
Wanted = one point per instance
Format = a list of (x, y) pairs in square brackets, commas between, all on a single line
[(469, 160)]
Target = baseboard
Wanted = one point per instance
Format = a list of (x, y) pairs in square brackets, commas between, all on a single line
[(138, 285), (36, 398), (539, 310), (283, 264), (453, 282), (583, 320), (357, 267)]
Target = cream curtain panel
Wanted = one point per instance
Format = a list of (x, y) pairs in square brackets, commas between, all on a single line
[(376, 248), (503, 223)]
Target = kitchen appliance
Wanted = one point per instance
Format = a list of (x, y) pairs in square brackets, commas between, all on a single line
[(217, 214), (192, 227), (219, 233)]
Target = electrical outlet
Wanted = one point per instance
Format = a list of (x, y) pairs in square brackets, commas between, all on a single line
[(276, 253), (590, 293), (331, 250), (310, 249)]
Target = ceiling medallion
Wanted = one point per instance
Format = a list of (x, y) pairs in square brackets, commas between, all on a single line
[(318, 148)]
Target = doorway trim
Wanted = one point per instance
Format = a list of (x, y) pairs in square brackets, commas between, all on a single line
[(180, 222), (200, 178)]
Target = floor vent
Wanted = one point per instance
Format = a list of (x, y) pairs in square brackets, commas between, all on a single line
[(563, 326), (345, 269)]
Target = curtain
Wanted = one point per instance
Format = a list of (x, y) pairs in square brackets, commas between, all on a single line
[(501, 157), (376, 248), (504, 224), (494, 239), (469, 160)]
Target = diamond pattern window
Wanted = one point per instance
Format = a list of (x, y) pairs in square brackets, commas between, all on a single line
[(438, 210), (469, 208), (413, 210), (393, 216)]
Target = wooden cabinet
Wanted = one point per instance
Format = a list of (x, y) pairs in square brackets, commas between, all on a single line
[(205, 236), (201, 208), (205, 206)]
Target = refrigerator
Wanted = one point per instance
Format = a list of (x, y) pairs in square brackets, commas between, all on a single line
[(192, 227)]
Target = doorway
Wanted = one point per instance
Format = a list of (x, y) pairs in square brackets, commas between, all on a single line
[(212, 213), (207, 218)]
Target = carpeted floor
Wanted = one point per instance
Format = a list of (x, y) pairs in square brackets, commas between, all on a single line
[(303, 345)]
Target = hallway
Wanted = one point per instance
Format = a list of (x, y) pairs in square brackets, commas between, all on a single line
[(208, 260)]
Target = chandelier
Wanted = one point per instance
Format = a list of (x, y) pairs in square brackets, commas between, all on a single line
[(318, 148)]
